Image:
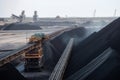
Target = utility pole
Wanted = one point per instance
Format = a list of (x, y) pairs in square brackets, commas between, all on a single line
[(114, 13), (26, 36), (94, 13), (66, 16)]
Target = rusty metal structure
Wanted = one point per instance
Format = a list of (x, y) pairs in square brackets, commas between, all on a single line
[(20, 18), (10, 56)]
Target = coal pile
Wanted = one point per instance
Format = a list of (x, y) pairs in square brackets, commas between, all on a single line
[(96, 57), (55, 23), (115, 40), (54, 47), (21, 26), (1, 27), (8, 72), (93, 46), (108, 70), (92, 23), (86, 50)]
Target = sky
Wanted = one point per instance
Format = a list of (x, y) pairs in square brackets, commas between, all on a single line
[(63, 8)]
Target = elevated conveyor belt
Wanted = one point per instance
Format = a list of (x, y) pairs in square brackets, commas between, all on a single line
[(9, 56), (59, 69)]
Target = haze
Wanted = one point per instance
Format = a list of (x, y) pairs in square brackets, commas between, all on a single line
[(68, 8)]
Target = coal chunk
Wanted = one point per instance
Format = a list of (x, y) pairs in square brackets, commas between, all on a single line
[(8, 72), (115, 40)]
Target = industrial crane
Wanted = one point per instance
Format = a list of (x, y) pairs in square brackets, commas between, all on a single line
[(20, 18)]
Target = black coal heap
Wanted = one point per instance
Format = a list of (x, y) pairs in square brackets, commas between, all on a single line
[(86, 50)]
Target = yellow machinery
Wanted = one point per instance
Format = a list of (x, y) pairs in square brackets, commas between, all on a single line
[(33, 57), (33, 60), (36, 38)]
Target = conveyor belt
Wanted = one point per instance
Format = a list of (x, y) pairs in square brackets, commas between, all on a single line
[(91, 66), (6, 50), (9, 56), (59, 69)]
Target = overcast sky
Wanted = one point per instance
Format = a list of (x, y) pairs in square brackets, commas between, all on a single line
[(51, 8)]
